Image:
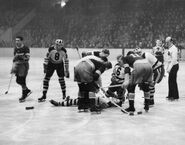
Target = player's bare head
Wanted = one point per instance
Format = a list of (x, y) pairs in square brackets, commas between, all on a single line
[(158, 42), (105, 53), (169, 41), (19, 40), (59, 43), (138, 51)]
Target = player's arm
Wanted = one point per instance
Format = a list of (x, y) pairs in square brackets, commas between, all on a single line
[(26, 55), (23, 57), (46, 60)]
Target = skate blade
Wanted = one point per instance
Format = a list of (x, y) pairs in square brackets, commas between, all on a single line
[(96, 112), (40, 101), (22, 101), (83, 110)]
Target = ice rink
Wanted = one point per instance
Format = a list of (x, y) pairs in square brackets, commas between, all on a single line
[(164, 124)]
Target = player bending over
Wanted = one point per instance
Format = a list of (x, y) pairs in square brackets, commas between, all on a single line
[(86, 73), (158, 70), (56, 59), (141, 75)]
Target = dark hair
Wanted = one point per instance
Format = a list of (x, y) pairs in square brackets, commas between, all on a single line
[(130, 52), (20, 37)]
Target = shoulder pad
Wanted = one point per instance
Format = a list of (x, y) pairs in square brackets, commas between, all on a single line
[(64, 49), (51, 48)]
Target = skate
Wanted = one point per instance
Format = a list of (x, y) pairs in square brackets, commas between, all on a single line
[(42, 99), (146, 106), (130, 109), (96, 109), (151, 103), (25, 94)]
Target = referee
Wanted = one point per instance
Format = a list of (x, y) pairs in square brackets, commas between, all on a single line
[(172, 69)]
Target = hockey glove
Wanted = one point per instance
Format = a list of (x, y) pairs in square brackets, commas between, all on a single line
[(108, 65)]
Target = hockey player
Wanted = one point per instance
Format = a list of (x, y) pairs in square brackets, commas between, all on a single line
[(158, 51), (21, 66), (101, 54), (56, 59), (141, 75), (117, 78), (86, 73), (158, 71)]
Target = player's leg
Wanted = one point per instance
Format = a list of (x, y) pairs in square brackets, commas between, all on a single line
[(60, 73), (121, 94), (131, 97), (21, 80), (152, 91), (145, 87), (48, 75), (69, 102), (83, 97)]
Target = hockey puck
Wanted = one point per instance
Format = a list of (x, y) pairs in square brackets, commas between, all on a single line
[(131, 113), (29, 108), (140, 112)]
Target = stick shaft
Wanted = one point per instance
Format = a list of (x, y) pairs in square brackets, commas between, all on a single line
[(9, 83), (113, 86), (123, 110), (78, 52)]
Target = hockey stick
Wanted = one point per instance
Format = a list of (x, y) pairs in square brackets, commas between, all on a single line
[(112, 86), (78, 52), (122, 110), (9, 83)]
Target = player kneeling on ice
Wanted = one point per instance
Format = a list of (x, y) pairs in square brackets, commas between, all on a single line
[(56, 59), (141, 75), (21, 66), (118, 76)]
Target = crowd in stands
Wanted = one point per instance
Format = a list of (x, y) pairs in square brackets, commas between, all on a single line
[(104, 23)]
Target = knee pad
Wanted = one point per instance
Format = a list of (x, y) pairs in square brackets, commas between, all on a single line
[(145, 87)]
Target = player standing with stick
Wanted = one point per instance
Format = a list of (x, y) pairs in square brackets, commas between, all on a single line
[(21, 66), (56, 59)]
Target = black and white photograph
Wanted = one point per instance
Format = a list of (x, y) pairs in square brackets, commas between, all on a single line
[(92, 72)]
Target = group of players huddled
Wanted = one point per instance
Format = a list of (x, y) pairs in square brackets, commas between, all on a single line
[(140, 68)]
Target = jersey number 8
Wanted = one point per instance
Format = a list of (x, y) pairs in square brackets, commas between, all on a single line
[(57, 56)]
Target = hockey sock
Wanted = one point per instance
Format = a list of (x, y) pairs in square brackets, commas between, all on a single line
[(62, 85), (46, 83)]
